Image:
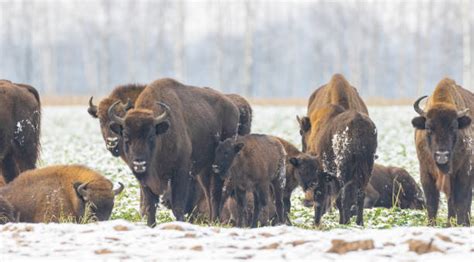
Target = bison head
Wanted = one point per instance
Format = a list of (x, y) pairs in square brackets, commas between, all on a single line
[(99, 196), (305, 127), (139, 131), (441, 124), (323, 186), (113, 142), (226, 151)]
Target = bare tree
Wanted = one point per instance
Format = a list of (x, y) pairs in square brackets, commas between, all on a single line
[(219, 41), (179, 55), (466, 40), (248, 47)]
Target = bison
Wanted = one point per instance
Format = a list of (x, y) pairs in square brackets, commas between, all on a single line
[(388, 187), (59, 193), (20, 116), (444, 145), (342, 137), (245, 110), (170, 135), (252, 163)]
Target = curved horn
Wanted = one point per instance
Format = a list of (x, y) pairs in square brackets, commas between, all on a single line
[(119, 189), (92, 108), (417, 108), (463, 112), (113, 116), (163, 116), (81, 190), (128, 105)]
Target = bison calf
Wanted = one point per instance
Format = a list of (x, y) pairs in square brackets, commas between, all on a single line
[(58, 193), (252, 163)]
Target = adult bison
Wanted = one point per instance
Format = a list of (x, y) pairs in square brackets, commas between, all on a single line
[(20, 118), (444, 145), (170, 134), (339, 133), (127, 94), (58, 193)]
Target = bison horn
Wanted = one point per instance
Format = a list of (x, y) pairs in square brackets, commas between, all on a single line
[(92, 108), (113, 116), (128, 105), (163, 116), (416, 106), (119, 189), (81, 190), (463, 112)]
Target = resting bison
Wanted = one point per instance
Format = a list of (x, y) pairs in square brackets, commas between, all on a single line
[(170, 134), (344, 140), (20, 118), (59, 193), (127, 94), (444, 145), (252, 163), (388, 186), (393, 186)]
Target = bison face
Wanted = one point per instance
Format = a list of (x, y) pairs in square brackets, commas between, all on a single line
[(226, 151), (99, 197), (305, 127), (140, 131), (441, 125)]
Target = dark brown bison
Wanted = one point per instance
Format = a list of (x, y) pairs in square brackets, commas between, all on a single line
[(256, 164), (393, 186), (127, 95), (444, 144), (340, 134), (245, 110), (170, 134), (60, 193), (20, 118), (388, 187)]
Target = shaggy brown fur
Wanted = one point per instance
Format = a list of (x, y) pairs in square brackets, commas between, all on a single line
[(444, 142), (340, 134), (177, 146), (252, 163), (20, 118), (245, 110), (53, 193)]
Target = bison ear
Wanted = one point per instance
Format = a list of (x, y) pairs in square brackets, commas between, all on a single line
[(92, 112), (419, 122), (116, 128), (162, 127), (464, 121), (238, 147), (295, 161), (305, 124), (80, 190)]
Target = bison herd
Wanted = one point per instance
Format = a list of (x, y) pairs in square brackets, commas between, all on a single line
[(192, 148)]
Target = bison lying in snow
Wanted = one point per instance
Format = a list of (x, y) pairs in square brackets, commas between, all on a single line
[(19, 128), (388, 186), (444, 144), (252, 163), (344, 140), (170, 134), (393, 186), (55, 193)]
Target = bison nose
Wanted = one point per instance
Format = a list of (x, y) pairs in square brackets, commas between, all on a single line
[(112, 142), (139, 166), (442, 157)]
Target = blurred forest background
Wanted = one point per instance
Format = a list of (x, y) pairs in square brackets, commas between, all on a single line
[(261, 49)]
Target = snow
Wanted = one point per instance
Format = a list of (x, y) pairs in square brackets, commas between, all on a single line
[(123, 240), (71, 136)]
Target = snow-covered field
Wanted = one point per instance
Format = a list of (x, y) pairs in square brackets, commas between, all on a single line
[(70, 135)]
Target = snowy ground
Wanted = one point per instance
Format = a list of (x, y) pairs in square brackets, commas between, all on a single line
[(70, 135)]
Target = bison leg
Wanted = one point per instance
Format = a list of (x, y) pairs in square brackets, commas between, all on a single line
[(241, 199), (431, 195), (257, 195), (360, 207), (278, 194), (216, 196), (451, 210), (181, 184), (9, 168), (287, 207), (150, 202), (462, 200)]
